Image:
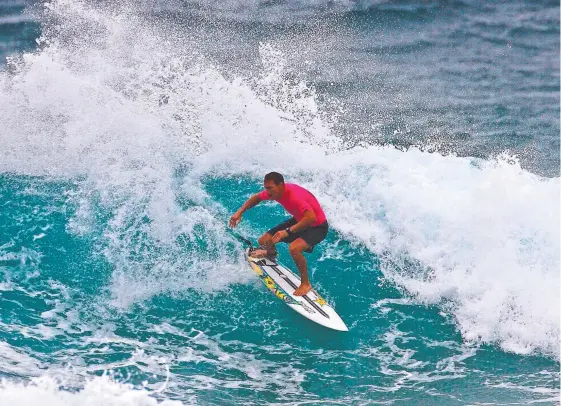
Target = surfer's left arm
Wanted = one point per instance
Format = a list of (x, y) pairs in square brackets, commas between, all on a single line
[(306, 221)]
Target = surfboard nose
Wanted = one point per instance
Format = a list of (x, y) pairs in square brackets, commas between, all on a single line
[(342, 327), (336, 323)]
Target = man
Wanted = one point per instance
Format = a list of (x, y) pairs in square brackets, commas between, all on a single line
[(307, 227)]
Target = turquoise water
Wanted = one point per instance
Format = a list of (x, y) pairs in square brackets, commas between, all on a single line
[(130, 133)]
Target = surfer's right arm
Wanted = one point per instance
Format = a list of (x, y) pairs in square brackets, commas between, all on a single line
[(237, 216)]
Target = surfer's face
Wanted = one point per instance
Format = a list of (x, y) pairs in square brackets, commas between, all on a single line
[(275, 191)]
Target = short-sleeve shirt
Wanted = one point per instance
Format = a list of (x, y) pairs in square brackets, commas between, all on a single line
[(296, 200)]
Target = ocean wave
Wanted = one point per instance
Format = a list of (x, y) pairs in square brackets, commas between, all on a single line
[(136, 120)]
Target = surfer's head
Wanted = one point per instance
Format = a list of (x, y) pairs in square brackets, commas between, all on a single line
[(274, 184)]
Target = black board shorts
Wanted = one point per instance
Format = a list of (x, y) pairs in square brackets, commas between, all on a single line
[(312, 235)]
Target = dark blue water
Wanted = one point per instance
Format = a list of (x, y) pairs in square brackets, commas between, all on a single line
[(130, 132)]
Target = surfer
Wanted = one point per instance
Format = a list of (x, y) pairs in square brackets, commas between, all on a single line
[(306, 228)]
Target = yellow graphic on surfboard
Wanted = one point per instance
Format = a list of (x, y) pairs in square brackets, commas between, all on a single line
[(320, 300), (256, 268), (271, 285)]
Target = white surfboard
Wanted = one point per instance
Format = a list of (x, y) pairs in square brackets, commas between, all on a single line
[(283, 282)]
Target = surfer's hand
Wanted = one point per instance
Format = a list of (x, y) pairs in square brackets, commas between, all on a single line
[(235, 219), (279, 235)]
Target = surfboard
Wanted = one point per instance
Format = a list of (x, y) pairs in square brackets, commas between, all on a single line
[(282, 282)]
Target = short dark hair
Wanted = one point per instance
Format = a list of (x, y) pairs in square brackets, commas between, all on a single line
[(275, 177)]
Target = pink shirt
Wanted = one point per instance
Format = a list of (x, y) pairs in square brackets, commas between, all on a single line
[(296, 200)]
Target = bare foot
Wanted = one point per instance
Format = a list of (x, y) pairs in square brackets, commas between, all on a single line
[(262, 253), (303, 289), (259, 253)]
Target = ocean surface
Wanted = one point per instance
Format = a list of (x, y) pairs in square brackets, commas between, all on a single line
[(130, 131)]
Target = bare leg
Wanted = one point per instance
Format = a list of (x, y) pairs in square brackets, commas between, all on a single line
[(295, 248)]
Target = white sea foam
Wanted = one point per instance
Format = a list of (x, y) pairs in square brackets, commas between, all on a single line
[(97, 391), (16, 362), (481, 236)]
